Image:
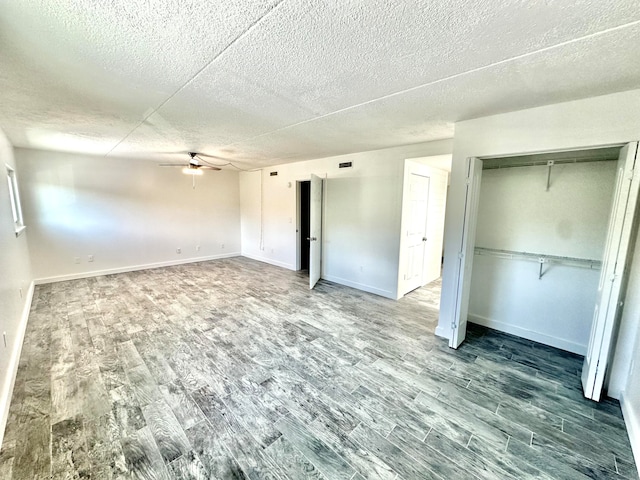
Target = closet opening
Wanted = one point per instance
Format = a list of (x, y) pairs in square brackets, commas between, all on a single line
[(540, 236), (573, 214)]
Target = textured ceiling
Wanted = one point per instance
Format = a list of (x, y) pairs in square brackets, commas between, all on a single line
[(267, 82)]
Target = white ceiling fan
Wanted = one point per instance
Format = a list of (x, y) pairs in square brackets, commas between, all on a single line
[(194, 166)]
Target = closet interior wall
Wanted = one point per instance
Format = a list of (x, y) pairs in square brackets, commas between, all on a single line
[(539, 244)]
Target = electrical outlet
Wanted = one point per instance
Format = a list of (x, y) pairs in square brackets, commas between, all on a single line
[(222, 245), (90, 258), (197, 248), (178, 250), (76, 259)]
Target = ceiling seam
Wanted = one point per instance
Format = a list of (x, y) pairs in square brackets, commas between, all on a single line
[(196, 74), (444, 79)]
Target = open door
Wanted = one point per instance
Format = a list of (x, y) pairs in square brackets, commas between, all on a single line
[(416, 230), (424, 198), (607, 306), (315, 237), (465, 253)]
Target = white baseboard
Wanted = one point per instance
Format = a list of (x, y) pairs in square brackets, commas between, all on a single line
[(331, 278), (9, 379), (529, 334), (632, 422), (288, 266), (132, 268), (361, 286)]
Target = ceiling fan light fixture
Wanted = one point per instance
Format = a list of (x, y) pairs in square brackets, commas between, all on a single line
[(191, 171)]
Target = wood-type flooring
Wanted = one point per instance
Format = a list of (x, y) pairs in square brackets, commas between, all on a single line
[(233, 369)]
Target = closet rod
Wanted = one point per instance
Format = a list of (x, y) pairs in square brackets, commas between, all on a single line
[(540, 258), (501, 163)]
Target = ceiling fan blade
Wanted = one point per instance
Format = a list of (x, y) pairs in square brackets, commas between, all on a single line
[(194, 163)]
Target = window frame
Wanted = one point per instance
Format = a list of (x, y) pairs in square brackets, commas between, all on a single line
[(14, 198)]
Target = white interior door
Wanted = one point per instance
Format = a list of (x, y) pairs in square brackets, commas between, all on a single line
[(612, 275), (424, 199), (416, 230), (465, 253), (432, 268), (315, 238)]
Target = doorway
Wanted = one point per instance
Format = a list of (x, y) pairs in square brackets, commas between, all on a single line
[(304, 229), (424, 196), (416, 230), (309, 227)]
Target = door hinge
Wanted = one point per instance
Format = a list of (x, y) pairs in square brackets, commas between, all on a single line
[(453, 325), (460, 255), (631, 174)]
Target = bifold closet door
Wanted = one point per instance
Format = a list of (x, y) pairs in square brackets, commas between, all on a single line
[(608, 307), (465, 252)]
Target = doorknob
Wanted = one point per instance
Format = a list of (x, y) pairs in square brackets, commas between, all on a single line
[(312, 239), (424, 239)]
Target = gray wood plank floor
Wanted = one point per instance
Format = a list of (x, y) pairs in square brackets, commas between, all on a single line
[(233, 369)]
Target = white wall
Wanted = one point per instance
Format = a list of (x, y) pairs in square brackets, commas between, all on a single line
[(517, 213), (605, 120), (441, 162), (362, 208), (625, 372), (251, 214), (15, 287), (126, 213)]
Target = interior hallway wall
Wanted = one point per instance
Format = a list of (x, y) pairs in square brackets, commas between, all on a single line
[(15, 286), (362, 213), (127, 213)]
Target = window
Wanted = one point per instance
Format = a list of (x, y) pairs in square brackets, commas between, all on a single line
[(16, 208)]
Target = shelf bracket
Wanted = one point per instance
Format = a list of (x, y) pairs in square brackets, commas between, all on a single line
[(550, 164)]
